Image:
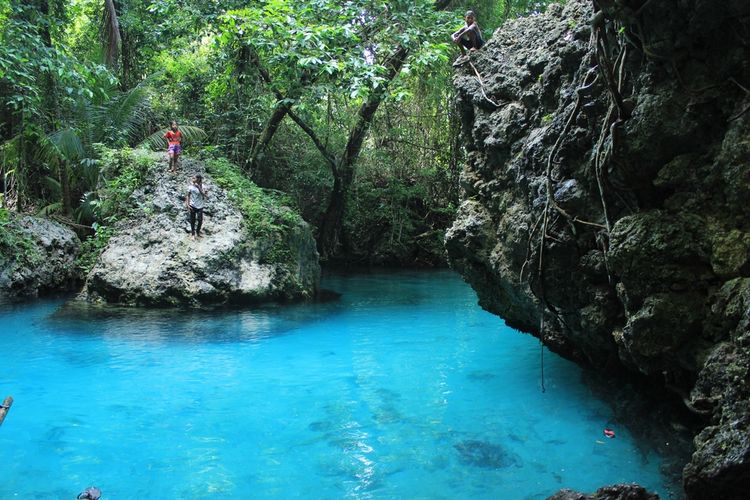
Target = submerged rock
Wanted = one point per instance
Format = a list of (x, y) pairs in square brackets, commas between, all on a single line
[(152, 260), (486, 455), (624, 221), (37, 257)]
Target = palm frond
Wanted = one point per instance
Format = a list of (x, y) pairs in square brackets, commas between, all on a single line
[(89, 171), (53, 185), (51, 208), (125, 113), (84, 214), (190, 133), (63, 145), (85, 116)]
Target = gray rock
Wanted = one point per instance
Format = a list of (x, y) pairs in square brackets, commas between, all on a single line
[(656, 284), (615, 492), (153, 261), (43, 260)]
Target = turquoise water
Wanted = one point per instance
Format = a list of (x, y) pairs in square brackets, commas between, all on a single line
[(404, 388)]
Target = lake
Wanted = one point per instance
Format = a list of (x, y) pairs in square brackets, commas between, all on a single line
[(403, 388)]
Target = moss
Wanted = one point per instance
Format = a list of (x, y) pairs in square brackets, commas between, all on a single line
[(17, 247), (730, 252), (265, 212)]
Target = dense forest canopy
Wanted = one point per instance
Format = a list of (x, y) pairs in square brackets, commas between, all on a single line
[(345, 106)]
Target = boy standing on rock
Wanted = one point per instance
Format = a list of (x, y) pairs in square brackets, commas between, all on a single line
[(174, 148), (195, 201)]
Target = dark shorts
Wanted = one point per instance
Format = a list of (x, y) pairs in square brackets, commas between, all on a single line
[(469, 44), (174, 149)]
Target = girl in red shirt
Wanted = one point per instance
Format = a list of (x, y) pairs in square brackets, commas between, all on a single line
[(174, 148)]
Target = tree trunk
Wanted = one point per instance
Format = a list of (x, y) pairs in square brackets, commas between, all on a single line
[(44, 9), (126, 50), (54, 106), (329, 238), (257, 170), (112, 38), (65, 188)]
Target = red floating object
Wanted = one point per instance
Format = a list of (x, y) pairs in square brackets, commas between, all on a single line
[(609, 433)]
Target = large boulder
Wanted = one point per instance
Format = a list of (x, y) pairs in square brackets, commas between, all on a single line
[(152, 260), (615, 492), (605, 200), (38, 257)]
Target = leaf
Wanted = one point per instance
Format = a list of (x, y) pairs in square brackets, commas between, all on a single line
[(156, 140)]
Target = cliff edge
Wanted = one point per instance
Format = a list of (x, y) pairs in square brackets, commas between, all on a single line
[(37, 257), (605, 198)]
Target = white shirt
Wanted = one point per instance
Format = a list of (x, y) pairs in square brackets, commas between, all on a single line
[(197, 200)]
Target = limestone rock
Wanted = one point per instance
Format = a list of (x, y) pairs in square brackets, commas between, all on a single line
[(153, 261), (646, 253), (616, 492), (42, 261)]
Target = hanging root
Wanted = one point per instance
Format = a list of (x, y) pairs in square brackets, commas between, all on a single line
[(481, 86)]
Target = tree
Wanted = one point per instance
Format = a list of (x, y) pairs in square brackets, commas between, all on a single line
[(111, 34), (305, 49)]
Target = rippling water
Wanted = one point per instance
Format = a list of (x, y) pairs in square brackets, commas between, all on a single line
[(404, 388)]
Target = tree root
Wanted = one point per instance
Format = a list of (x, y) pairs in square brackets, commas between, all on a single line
[(481, 86)]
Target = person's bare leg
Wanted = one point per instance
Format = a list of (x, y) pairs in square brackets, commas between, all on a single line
[(460, 45)]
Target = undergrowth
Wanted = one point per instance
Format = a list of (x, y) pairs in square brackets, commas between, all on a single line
[(266, 212), (123, 171)]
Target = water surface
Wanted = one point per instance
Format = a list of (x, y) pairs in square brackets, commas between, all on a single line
[(404, 388)]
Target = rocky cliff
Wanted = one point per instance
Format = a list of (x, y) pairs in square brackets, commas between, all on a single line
[(249, 252), (605, 201), (37, 256)]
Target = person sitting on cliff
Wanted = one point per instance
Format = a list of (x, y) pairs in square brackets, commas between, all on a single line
[(470, 36), (195, 201), (174, 146)]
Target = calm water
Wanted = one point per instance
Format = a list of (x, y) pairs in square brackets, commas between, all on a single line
[(404, 388)]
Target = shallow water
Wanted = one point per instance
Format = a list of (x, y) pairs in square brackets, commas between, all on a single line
[(404, 388)]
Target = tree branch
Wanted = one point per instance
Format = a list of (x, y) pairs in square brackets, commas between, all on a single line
[(394, 63), (313, 136)]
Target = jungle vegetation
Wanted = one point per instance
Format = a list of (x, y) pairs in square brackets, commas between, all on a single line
[(347, 107)]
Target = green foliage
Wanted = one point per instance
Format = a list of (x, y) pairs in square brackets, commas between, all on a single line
[(194, 61), (27, 62), (265, 212), (122, 172), (314, 47), (17, 248), (92, 247)]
